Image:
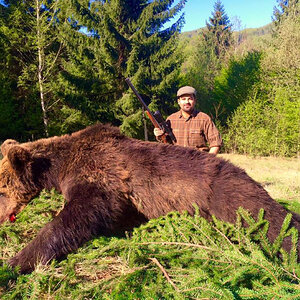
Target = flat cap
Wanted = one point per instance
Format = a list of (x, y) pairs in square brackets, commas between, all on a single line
[(186, 90)]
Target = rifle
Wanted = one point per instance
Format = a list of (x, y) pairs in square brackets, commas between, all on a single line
[(156, 117)]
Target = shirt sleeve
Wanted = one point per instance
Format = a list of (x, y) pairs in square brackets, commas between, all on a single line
[(212, 134)]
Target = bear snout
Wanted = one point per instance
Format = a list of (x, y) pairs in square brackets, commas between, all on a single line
[(7, 208)]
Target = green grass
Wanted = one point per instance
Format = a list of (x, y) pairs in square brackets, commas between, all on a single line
[(173, 257), (279, 176)]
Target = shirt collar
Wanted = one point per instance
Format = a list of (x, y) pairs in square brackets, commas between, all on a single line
[(193, 114)]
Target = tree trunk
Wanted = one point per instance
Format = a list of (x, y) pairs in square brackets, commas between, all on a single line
[(145, 126), (40, 68)]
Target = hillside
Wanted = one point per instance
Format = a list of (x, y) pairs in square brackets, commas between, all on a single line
[(245, 40), (264, 30)]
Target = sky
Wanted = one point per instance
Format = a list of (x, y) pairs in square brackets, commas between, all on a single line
[(251, 13)]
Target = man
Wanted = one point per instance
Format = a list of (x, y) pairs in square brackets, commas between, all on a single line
[(190, 127)]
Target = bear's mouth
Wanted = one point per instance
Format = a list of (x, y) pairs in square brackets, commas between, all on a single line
[(8, 209), (12, 217)]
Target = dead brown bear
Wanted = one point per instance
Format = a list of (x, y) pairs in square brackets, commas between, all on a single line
[(112, 183)]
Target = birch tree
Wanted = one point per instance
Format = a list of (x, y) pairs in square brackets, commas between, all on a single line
[(48, 50), (34, 49)]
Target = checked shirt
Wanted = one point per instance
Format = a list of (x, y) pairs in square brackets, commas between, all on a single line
[(197, 131)]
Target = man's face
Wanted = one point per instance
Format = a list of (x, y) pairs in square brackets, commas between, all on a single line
[(187, 103)]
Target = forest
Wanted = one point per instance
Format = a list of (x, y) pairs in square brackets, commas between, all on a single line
[(63, 65)]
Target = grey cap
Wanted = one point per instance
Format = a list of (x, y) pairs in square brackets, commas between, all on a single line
[(186, 90)]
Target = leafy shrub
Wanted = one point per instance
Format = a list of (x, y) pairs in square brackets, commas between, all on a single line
[(235, 83), (264, 126)]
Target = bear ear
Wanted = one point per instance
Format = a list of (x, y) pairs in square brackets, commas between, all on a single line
[(18, 157), (7, 145)]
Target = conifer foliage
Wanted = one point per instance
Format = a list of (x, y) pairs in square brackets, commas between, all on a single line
[(210, 55), (34, 49), (128, 39), (219, 30), (67, 60)]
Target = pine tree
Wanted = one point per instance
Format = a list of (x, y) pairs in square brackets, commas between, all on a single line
[(153, 63), (211, 53), (219, 30), (127, 38), (77, 53), (283, 9), (18, 115), (7, 81)]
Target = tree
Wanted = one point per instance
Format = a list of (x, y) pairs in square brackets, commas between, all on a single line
[(219, 30), (210, 56), (48, 50), (235, 84), (128, 38), (17, 116), (272, 113), (72, 56), (34, 36), (32, 43), (204, 67), (283, 9)]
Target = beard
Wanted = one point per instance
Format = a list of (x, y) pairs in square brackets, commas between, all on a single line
[(187, 108)]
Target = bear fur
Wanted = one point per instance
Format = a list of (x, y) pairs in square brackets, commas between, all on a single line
[(112, 183)]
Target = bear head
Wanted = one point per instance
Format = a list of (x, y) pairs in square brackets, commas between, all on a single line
[(17, 186)]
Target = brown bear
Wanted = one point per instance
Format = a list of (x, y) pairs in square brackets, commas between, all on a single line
[(112, 183)]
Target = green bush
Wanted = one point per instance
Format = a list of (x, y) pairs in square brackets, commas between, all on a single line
[(266, 126), (235, 83)]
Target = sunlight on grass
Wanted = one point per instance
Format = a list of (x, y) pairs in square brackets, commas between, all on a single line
[(279, 176)]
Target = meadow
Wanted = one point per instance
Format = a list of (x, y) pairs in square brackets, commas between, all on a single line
[(279, 176), (174, 257)]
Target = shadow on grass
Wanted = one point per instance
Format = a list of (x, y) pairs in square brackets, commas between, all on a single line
[(7, 275)]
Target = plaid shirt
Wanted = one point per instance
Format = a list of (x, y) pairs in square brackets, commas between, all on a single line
[(197, 131)]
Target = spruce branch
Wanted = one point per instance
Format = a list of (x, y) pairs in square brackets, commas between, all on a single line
[(180, 244), (154, 260)]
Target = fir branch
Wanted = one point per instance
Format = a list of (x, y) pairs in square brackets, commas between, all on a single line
[(180, 244), (154, 260)]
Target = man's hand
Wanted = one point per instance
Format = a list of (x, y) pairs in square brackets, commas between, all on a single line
[(158, 132), (214, 150)]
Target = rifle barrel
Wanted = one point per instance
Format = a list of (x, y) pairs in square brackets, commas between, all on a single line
[(148, 111), (137, 93), (156, 118)]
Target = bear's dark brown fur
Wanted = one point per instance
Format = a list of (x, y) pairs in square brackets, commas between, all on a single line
[(112, 183)]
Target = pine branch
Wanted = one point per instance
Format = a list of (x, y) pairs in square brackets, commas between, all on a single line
[(154, 260)]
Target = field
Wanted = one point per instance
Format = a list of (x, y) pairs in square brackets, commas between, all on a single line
[(173, 257), (279, 176)]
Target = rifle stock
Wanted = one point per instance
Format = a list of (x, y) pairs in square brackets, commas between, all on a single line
[(152, 119)]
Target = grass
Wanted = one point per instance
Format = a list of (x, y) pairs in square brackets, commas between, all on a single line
[(279, 176), (173, 257)]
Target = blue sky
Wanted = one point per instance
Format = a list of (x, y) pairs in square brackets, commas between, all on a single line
[(252, 13)]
